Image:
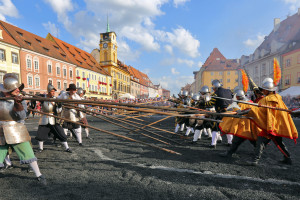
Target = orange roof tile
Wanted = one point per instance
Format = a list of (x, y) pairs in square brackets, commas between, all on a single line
[(35, 43), (7, 38), (215, 55), (80, 57)]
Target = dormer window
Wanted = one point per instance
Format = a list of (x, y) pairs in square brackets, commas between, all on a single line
[(45, 49), (21, 34), (56, 47), (29, 43), (39, 41)]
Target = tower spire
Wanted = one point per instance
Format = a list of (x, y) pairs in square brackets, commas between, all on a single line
[(107, 25)]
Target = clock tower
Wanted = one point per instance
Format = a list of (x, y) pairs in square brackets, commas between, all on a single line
[(108, 48)]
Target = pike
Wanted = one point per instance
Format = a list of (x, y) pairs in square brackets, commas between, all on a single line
[(111, 133), (254, 104)]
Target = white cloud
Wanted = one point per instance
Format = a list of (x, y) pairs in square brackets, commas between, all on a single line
[(182, 40), (173, 71), (62, 7), (167, 61), (189, 63), (294, 4), (125, 53), (179, 2), (7, 8), (200, 64), (146, 71), (169, 49), (253, 43), (51, 28)]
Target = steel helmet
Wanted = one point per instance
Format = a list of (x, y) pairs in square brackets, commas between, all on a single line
[(216, 84), (80, 91), (50, 87), (196, 97), (236, 89), (180, 93), (191, 94), (240, 93), (204, 89), (10, 83), (268, 84), (185, 93)]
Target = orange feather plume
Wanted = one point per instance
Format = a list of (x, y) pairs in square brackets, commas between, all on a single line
[(277, 72), (245, 80)]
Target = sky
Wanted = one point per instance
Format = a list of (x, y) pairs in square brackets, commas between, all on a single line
[(167, 39)]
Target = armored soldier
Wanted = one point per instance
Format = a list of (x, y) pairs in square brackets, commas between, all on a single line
[(273, 124), (180, 121), (13, 132), (48, 124), (72, 114), (220, 106), (81, 93), (193, 122)]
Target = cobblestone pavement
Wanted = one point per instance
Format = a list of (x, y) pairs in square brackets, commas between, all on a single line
[(108, 167)]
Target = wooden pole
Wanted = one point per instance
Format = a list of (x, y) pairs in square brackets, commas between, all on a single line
[(111, 133)]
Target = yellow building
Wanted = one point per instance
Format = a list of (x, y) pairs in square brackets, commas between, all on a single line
[(109, 62), (291, 69), (9, 55), (218, 67)]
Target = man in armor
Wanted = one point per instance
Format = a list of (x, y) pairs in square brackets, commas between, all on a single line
[(48, 124), (72, 114), (81, 93), (180, 121), (13, 132), (192, 122), (272, 124), (220, 106), (241, 129)]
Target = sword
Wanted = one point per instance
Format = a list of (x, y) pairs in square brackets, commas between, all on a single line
[(253, 104)]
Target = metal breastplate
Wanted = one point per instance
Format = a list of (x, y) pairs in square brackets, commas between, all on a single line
[(6, 109), (47, 107)]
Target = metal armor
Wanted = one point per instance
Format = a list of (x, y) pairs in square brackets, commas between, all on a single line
[(80, 91), (268, 84), (10, 83), (71, 114), (50, 87), (11, 132), (47, 107), (216, 84)]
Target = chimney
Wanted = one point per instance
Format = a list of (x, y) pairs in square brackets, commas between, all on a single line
[(276, 24)]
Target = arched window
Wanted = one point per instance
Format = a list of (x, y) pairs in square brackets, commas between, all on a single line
[(29, 80), (71, 73), (114, 56), (57, 69), (49, 66), (29, 62), (65, 85), (105, 56), (64, 71), (37, 81), (36, 63)]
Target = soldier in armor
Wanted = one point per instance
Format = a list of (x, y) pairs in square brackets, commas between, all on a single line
[(48, 124), (273, 124), (13, 132), (220, 106), (180, 121), (81, 93), (193, 122), (72, 114)]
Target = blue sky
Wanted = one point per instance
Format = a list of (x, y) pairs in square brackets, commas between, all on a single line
[(167, 39)]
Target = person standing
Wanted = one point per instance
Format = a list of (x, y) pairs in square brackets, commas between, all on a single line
[(81, 94), (13, 132)]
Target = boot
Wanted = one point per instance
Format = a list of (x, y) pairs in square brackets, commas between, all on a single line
[(286, 161), (258, 151)]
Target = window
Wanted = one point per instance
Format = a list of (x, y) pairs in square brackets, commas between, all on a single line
[(29, 80), (49, 64), (50, 81), (236, 72), (228, 80), (77, 85), (211, 73), (83, 86), (28, 43), (14, 58), (2, 54), (228, 73), (64, 71), (83, 74), (71, 73), (58, 85), (288, 62), (57, 69), (37, 81), (2, 73), (65, 85), (263, 69), (36, 64), (77, 72), (93, 88), (221, 73), (288, 80), (28, 62), (105, 56)]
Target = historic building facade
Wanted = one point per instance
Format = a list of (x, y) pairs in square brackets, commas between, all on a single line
[(291, 69)]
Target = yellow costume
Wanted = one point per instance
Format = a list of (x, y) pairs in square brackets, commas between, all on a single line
[(237, 126), (273, 122)]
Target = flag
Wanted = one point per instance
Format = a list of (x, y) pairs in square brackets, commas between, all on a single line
[(277, 72), (245, 80)]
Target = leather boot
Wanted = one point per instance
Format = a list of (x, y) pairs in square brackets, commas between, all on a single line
[(258, 152)]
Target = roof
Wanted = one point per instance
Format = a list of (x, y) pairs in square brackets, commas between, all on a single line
[(35, 43), (7, 38), (288, 30), (80, 57), (217, 62), (122, 66)]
